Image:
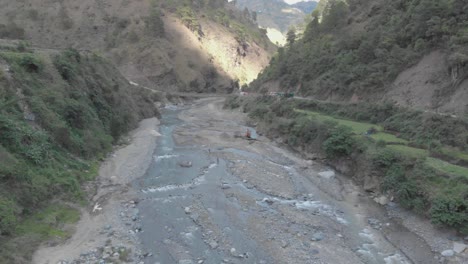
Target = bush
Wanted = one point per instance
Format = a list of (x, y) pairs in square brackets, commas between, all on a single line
[(449, 211), (11, 31), (8, 219), (384, 158), (65, 63), (340, 143), (31, 63)]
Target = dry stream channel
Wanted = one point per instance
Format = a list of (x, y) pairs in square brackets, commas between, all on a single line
[(213, 197)]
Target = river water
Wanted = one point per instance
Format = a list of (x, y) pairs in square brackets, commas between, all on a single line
[(210, 213)]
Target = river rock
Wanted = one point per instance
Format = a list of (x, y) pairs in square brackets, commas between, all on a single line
[(448, 253), (185, 164), (459, 247), (213, 244), (233, 252), (317, 236), (327, 174), (382, 200)]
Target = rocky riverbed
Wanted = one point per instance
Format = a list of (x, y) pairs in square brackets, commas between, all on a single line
[(207, 195)]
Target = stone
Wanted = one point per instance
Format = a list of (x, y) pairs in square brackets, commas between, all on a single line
[(187, 210), (233, 251), (185, 164), (459, 247), (314, 251), (382, 200), (284, 244), (327, 174), (268, 201), (317, 236), (448, 253), (213, 244), (225, 186)]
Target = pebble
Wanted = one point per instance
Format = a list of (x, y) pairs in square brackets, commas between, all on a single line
[(284, 244), (448, 253), (213, 244), (317, 236), (233, 251), (459, 247), (187, 210)]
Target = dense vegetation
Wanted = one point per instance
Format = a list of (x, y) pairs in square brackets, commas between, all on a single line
[(59, 114), (360, 46), (416, 166)]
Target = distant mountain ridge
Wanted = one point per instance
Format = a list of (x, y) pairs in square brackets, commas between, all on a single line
[(306, 7), (277, 16)]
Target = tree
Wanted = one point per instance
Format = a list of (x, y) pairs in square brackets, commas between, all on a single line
[(254, 16), (154, 22), (291, 36)]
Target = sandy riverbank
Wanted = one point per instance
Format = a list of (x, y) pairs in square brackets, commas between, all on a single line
[(111, 217)]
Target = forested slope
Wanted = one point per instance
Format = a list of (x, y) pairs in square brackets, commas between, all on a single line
[(413, 53), (60, 113)]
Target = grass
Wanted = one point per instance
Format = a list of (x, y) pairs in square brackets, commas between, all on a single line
[(357, 127), (447, 168), (409, 151), (454, 153), (389, 138), (49, 223)]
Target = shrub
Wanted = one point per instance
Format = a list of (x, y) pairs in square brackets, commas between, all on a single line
[(31, 63), (384, 158), (449, 211), (11, 31), (340, 143), (8, 219)]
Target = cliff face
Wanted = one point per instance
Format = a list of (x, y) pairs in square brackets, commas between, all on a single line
[(178, 57)]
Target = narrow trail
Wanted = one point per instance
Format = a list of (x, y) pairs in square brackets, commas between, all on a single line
[(245, 201)]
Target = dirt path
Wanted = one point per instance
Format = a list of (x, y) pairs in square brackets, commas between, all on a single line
[(102, 225)]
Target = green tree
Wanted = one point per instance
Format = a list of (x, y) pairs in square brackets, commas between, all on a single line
[(340, 143), (291, 36)]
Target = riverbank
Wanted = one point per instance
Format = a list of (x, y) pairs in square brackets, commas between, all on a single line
[(107, 227)]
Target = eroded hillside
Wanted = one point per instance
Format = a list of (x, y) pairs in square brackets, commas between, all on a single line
[(165, 45)]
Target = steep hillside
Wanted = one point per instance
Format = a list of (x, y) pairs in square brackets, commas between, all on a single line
[(60, 112), (146, 39), (410, 52)]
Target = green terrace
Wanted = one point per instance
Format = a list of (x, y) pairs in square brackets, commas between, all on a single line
[(399, 145)]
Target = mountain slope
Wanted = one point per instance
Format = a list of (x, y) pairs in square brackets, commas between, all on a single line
[(59, 113), (306, 7), (277, 16), (146, 40), (410, 52)]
